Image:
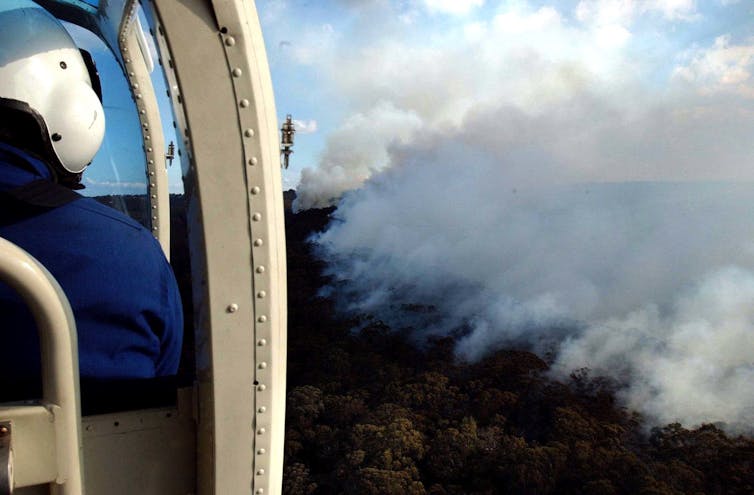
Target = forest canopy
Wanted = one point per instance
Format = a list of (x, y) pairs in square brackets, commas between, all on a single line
[(371, 412)]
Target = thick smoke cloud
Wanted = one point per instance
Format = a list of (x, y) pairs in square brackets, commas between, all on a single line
[(649, 283), (589, 80), (559, 181), (352, 155), (492, 231)]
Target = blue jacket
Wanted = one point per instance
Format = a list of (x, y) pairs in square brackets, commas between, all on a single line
[(122, 290)]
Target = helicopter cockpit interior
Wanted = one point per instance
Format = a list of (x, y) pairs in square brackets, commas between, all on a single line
[(191, 152)]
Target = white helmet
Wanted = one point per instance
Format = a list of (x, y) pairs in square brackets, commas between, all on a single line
[(43, 74)]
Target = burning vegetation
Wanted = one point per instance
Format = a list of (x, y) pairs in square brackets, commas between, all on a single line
[(369, 412)]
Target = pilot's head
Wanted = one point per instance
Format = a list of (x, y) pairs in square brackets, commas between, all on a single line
[(50, 99)]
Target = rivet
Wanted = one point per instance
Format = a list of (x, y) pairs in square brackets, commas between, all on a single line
[(255, 190), (262, 410), (151, 184), (131, 74), (147, 138), (128, 60), (154, 207), (136, 85), (149, 150), (261, 431), (151, 173), (237, 72), (260, 491), (260, 472), (262, 365), (154, 218), (249, 133), (244, 103), (261, 294), (151, 162), (258, 242), (232, 308), (262, 388), (143, 112), (154, 196), (262, 319), (253, 161), (256, 217), (262, 342), (261, 451), (260, 269), (230, 41)]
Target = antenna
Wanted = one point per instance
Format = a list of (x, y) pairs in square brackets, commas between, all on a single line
[(170, 154), (286, 142)]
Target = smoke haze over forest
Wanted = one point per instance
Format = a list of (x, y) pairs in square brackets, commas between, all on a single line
[(574, 178)]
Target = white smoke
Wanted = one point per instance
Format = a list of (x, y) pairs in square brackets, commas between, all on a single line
[(356, 151), (558, 180), (692, 363), (648, 282)]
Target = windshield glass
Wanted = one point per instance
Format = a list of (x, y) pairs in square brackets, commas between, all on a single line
[(117, 174)]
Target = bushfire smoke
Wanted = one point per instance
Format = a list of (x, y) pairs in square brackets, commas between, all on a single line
[(575, 180), (648, 283)]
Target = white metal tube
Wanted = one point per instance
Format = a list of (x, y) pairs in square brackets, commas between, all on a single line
[(59, 352)]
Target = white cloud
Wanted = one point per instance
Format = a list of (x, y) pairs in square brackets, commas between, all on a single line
[(456, 7), (305, 126), (673, 9), (313, 44), (137, 187), (723, 67), (517, 22), (624, 12)]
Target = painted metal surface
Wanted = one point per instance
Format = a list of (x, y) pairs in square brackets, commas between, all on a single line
[(137, 71), (6, 458), (146, 452), (236, 222), (60, 368), (34, 449)]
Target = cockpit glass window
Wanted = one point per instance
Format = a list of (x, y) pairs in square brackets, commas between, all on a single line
[(164, 91), (116, 176)]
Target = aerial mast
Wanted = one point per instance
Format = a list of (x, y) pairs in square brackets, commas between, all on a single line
[(287, 131)]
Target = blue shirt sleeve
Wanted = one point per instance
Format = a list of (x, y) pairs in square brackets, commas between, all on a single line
[(122, 290)]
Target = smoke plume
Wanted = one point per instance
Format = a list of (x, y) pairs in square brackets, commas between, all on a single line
[(577, 182), (650, 283)]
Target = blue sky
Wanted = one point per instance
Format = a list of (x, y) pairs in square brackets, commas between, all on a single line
[(367, 76), (119, 166)]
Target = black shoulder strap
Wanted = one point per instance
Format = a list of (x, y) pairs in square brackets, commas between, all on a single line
[(42, 194)]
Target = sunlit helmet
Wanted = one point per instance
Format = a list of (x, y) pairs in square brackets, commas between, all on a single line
[(45, 76)]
